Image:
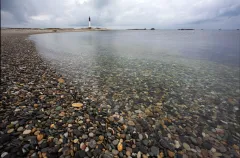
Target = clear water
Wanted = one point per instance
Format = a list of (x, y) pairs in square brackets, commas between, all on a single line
[(218, 46), (194, 74)]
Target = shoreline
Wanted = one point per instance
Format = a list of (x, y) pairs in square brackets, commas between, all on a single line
[(38, 117), (20, 31)]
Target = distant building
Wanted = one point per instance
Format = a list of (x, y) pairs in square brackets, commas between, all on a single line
[(89, 23)]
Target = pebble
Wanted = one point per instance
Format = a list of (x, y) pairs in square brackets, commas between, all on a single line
[(186, 146), (107, 155), (194, 141), (80, 154), (84, 136), (155, 150), (14, 122), (203, 134), (131, 123), (27, 132), (222, 149), (170, 153), (65, 134), (128, 153), (35, 105), (120, 146), (177, 144), (217, 154), (207, 145), (145, 156), (91, 134), (115, 142), (58, 108), (20, 129), (145, 142), (86, 149), (60, 80), (213, 150), (4, 154), (101, 138), (77, 105), (39, 137), (92, 143), (115, 152), (139, 154), (75, 140), (10, 131), (82, 146)]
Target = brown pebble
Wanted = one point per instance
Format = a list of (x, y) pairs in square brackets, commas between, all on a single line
[(128, 153), (170, 153), (33, 130), (120, 146), (101, 138), (40, 137), (35, 105), (60, 80)]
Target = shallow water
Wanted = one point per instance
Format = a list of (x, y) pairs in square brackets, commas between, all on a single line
[(191, 77)]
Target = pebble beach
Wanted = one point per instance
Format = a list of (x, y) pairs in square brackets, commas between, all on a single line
[(43, 114)]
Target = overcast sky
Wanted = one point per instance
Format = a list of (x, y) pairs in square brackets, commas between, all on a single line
[(162, 14)]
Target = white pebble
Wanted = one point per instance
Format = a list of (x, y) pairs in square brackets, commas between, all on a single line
[(4, 154)]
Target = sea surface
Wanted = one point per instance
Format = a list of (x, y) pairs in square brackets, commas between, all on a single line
[(182, 75)]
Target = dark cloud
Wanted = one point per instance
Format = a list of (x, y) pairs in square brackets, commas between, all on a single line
[(232, 11), (19, 9)]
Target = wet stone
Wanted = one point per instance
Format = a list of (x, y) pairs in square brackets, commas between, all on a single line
[(131, 123), (92, 143), (27, 132), (84, 136), (207, 145), (140, 136), (186, 146), (155, 150), (4, 154), (115, 152), (91, 134), (145, 142), (194, 141), (107, 155), (222, 149), (78, 133), (20, 129), (58, 108), (115, 142), (10, 130), (144, 149), (128, 153)]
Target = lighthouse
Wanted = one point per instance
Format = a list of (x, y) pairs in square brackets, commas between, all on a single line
[(89, 23)]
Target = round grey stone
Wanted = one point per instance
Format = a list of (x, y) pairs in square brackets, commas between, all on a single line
[(155, 150), (115, 142)]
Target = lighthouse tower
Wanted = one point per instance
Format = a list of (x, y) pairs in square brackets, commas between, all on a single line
[(89, 23)]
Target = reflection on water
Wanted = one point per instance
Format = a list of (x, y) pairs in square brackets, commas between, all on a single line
[(218, 46), (188, 77)]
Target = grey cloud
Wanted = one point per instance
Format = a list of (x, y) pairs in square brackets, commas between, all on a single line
[(102, 3), (19, 9), (120, 13), (231, 11)]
